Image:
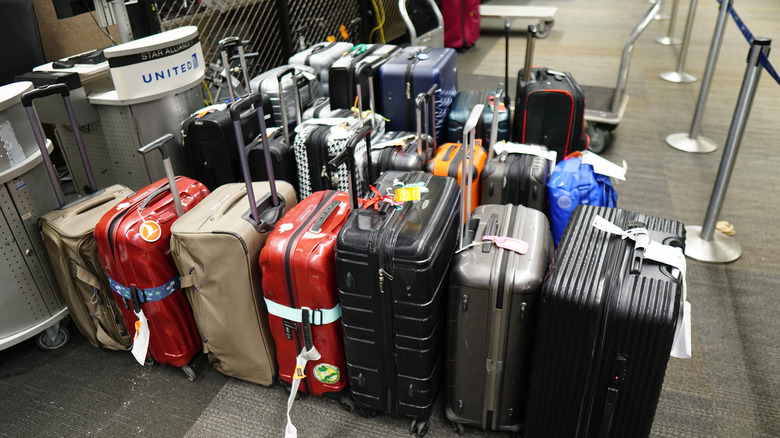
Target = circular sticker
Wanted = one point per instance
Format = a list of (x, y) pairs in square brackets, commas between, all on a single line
[(327, 373), (564, 202), (150, 231)]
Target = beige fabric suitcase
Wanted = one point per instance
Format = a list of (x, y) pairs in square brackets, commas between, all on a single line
[(216, 247)]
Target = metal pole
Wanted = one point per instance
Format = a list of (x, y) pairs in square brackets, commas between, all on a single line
[(706, 235), (669, 39), (691, 142), (678, 76)]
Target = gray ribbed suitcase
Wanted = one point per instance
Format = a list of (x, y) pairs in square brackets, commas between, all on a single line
[(493, 296)]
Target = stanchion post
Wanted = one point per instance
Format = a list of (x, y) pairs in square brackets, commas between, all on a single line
[(678, 76), (705, 243), (669, 39), (691, 142)]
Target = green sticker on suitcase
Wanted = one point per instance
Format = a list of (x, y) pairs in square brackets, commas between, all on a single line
[(327, 373)]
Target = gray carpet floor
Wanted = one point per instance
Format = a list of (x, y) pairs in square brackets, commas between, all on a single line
[(729, 388)]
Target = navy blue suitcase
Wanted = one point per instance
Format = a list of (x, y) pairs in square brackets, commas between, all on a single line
[(413, 71)]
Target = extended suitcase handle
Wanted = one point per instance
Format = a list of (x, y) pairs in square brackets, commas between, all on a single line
[(348, 155), (27, 101), (529, 53), (272, 213), (159, 145), (226, 44), (469, 138), (369, 71), (296, 99), (497, 99)]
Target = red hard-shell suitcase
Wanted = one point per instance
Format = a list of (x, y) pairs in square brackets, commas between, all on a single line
[(298, 266), (134, 246)]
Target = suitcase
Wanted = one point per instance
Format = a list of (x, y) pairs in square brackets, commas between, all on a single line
[(133, 243), (518, 174), (461, 107), (68, 236), (280, 141), (415, 70), (344, 76), (493, 296), (549, 108), (208, 136), (461, 23), (215, 247), (392, 260), (449, 158), (606, 324), (320, 57), (309, 89)]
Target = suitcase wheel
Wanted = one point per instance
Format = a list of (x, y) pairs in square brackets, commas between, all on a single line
[(45, 341), (458, 428), (189, 372), (367, 412), (347, 404), (600, 138), (419, 428)]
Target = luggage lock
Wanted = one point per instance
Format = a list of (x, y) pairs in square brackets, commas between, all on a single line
[(306, 324)]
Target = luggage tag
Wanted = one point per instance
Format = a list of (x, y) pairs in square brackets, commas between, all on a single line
[(504, 242), (376, 200), (526, 149), (141, 339), (668, 255), (290, 431), (400, 141)]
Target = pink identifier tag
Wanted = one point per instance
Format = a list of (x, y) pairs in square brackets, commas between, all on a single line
[(509, 243)]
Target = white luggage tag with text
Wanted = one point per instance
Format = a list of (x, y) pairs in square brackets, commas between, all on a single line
[(668, 255), (525, 149), (602, 166), (141, 339)]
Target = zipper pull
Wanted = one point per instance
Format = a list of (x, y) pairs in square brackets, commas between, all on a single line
[(382, 275)]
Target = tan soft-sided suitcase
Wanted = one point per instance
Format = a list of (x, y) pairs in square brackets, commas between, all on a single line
[(68, 237), (216, 246)]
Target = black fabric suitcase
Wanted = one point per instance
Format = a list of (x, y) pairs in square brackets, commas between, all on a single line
[(491, 317), (392, 268), (461, 107), (549, 108), (606, 326)]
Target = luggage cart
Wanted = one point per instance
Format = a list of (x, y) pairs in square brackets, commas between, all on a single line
[(605, 106)]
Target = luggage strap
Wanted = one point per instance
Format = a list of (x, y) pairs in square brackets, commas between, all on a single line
[(147, 295), (316, 316), (526, 149), (668, 255)]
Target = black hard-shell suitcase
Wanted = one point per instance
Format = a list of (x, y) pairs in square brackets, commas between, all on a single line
[(549, 108), (495, 283), (461, 107), (344, 74), (606, 326), (392, 267)]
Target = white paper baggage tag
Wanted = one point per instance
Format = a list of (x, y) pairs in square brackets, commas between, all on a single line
[(605, 167), (290, 431), (668, 255), (526, 149), (141, 339), (400, 141)]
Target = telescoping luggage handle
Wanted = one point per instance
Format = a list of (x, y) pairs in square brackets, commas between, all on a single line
[(497, 98), (348, 156), (234, 43), (27, 101), (529, 53), (369, 70), (296, 98), (271, 213), (430, 120), (159, 145), (469, 138)]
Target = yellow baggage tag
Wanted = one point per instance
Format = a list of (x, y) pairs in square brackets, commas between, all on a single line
[(299, 373), (407, 194)]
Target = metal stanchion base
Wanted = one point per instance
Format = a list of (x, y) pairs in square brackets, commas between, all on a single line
[(673, 76), (721, 249), (666, 41), (698, 145)]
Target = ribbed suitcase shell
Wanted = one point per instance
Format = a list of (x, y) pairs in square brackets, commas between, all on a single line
[(460, 109), (491, 318), (519, 179), (394, 328), (218, 248), (605, 329), (343, 81), (448, 161), (132, 261), (299, 270), (268, 85), (320, 57)]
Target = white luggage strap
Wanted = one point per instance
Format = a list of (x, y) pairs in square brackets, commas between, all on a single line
[(290, 431), (526, 149), (316, 316), (668, 255)]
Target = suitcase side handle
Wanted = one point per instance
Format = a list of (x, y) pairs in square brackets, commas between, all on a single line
[(497, 98), (348, 155), (296, 98), (27, 102), (468, 145), (159, 145), (234, 43), (272, 213)]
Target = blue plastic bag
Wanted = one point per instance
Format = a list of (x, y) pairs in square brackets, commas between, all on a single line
[(573, 183)]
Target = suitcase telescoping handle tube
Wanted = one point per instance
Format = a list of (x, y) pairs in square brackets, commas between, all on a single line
[(159, 145), (469, 138), (226, 44), (348, 156), (27, 101), (369, 72), (431, 117), (296, 97), (273, 213), (529, 53), (497, 99)]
